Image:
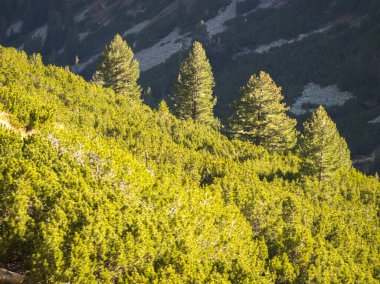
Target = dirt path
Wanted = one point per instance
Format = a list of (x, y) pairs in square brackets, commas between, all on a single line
[(4, 122)]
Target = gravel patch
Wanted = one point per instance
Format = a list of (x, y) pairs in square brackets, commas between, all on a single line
[(278, 43), (41, 33), (173, 42), (374, 121), (137, 28), (266, 4), (14, 29), (316, 95), (81, 16), (216, 25), (83, 35), (162, 50)]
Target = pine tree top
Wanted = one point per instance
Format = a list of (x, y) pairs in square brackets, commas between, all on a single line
[(193, 91), (323, 150), (118, 68), (321, 124), (197, 62), (163, 108), (197, 49), (261, 116), (263, 88)]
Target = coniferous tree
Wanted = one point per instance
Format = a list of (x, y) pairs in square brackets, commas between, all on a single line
[(261, 117), (163, 108), (322, 149), (193, 91), (118, 69)]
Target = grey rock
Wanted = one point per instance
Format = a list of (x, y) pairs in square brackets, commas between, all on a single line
[(8, 277)]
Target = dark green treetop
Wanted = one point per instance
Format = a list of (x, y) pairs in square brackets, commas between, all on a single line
[(261, 116), (322, 149), (193, 91), (118, 69)]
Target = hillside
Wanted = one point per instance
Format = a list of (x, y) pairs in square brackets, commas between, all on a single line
[(321, 52), (97, 188)]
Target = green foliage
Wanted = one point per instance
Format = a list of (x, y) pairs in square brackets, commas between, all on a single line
[(163, 108), (118, 69), (107, 190), (261, 117), (193, 97), (322, 150)]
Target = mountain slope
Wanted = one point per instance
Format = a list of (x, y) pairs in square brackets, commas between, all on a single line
[(324, 49), (103, 189)]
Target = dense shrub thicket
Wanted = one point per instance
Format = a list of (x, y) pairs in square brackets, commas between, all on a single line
[(98, 188)]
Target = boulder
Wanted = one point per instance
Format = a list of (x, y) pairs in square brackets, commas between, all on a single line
[(8, 277)]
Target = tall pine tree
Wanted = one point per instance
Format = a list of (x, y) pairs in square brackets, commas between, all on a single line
[(118, 69), (193, 91), (260, 116), (322, 149)]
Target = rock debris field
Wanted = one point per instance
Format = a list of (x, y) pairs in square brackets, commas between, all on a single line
[(316, 95), (174, 41)]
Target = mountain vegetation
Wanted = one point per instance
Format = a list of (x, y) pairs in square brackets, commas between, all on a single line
[(118, 69), (97, 187), (344, 54), (193, 91), (322, 150), (330, 42), (261, 116)]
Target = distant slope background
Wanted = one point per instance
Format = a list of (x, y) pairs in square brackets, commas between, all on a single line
[(321, 52)]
